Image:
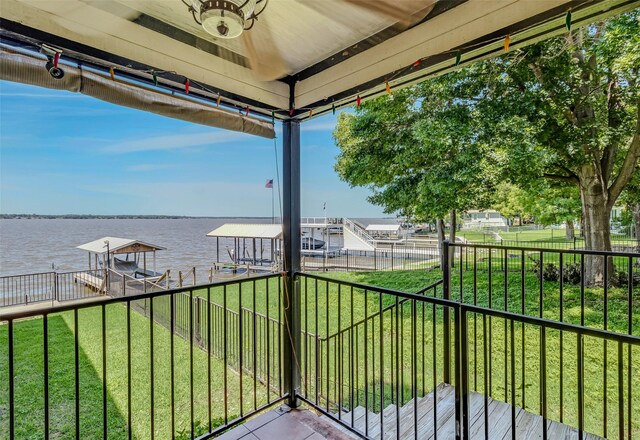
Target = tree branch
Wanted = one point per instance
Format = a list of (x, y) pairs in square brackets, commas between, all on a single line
[(537, 72), (566, 179), (611, 151), (628, 166)]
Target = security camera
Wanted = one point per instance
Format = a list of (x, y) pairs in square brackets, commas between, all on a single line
[(55, 72), (51, 65)]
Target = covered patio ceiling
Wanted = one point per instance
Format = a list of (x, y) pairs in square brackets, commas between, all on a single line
[(306, 57)]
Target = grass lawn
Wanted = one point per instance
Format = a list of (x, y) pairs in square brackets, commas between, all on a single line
[(547, 234), (477, 237), (327, 308), (28, 364), (526, 342)]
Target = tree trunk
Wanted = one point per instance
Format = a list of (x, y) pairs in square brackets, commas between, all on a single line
[(596, 213), (452, 234), (569, 232), (635, 211), (453, 225), (440, 229)]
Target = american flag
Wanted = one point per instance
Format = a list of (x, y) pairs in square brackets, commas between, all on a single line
[(269, 183)]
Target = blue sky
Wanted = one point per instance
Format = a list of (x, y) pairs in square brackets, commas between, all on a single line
[(65, 153)]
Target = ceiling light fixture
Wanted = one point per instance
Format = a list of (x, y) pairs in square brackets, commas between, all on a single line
[(226, 18)]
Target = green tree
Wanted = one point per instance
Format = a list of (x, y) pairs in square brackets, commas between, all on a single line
[(630, 198), (508, 201), (571, 104), (419, 153), (553, 205), (567, 109)]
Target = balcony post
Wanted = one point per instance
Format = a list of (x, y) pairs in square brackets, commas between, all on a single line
[(291, 236), (446, 290)]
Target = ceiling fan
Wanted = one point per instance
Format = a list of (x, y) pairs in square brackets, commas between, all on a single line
[(229, 19)]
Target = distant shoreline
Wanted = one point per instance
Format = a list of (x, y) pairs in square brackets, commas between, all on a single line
[(111, 217)]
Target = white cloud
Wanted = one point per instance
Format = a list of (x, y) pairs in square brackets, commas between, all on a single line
[(174, 142)]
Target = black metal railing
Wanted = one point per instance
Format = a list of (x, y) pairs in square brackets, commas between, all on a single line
[(509, 338), (381, 259), (49, 286), (106, 369), (500, 333)]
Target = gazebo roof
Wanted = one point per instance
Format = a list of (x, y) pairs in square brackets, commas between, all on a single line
[(242, 230), (118, 246), (323, 55)]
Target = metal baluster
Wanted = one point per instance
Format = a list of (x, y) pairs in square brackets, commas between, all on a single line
[(268, 306), (580, 374), (351, 363), (306, 339), (76, 361), (45, 353), (522, 335), (505, 299), (366, 363), (381, 314), (326, 291), (561, 340), (12, 412), (129, 426), (172, 320), (485, 375), (630, 323), (104, 373), (225, 354), (210, 425), (254, 347)]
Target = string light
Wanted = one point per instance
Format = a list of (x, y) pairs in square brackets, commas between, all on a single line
[(458, 56), (218, 101), (155, 79), (333, 109), (310, 113), (388, 88), (567, 20), (507, 40), (358, 100), (247, 111), (112, 73), (186, 86)]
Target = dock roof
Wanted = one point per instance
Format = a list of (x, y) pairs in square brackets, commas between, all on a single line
[(383, 228), (118, 246), (238, 230)]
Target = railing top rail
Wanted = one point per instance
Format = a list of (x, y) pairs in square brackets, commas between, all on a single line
[(28, 274), (548, 250), (51, 272), (557, 325), (383, 290), (120, 299)]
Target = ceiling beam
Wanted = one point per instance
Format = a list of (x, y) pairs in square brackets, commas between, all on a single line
[(467, 22)]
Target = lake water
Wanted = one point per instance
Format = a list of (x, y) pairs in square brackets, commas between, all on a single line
[(37, 245)]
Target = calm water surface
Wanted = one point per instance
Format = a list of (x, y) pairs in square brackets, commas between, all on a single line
[(37, 245)]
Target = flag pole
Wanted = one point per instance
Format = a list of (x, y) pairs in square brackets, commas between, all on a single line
[(273, 216)]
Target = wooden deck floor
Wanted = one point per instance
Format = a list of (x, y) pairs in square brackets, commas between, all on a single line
[(528, 425)]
